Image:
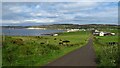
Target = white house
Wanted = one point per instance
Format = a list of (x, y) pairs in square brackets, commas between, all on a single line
[(101, 33), (96, 31), (72, 30)]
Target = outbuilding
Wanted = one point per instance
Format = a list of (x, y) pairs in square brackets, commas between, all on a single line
[(55, 34)]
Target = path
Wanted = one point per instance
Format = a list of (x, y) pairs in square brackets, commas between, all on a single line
[(85, 56)]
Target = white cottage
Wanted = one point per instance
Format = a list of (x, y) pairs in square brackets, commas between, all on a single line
[(101, 34)]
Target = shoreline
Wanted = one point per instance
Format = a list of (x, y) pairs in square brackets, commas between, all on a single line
[(36, 28), (40, 32), (47, 34)]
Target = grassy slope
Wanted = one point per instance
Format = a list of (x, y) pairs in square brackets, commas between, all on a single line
[(0, 56), (30, 51), (0, 51), (107, 55)]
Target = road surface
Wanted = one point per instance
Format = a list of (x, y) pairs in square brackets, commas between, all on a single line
[(84, 56)]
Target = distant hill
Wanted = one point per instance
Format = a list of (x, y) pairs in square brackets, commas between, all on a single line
[(67, 26)]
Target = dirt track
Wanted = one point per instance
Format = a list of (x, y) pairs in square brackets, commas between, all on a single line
[(85, 56)]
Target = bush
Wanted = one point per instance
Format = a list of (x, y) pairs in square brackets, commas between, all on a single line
[(60, 39), (53, 47), (9, 55), (18, 41), (66, 41), (42, 43), (60, 43), (45, 51), (55, 38), (107, 55)]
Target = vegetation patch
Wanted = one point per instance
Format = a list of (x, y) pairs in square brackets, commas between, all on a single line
[(106, 50), (39, 50)]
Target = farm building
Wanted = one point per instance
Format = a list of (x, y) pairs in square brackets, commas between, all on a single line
[(96, 32), (108, 34), (101, 33), (55, 34), (72, 30)]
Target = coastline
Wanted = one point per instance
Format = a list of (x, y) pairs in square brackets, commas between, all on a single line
[(31, 32), (36, 28)]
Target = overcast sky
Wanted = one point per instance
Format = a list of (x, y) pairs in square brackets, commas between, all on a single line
[(26, 13)]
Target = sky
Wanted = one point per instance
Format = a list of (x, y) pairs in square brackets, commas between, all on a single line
[(37, 13)]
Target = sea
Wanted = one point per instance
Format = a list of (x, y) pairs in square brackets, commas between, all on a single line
[(29, 32)]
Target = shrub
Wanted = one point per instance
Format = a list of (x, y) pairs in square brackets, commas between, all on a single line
[(60, 43), (37, 37), (55, 38), (107, 55), (9, 58), (66, 41), (45, 51), (60, 40), (18, 41), (42, 43), (9, 54), (53, 47)]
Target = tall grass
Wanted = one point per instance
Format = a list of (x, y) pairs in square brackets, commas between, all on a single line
[(107, 55), (39, 50)]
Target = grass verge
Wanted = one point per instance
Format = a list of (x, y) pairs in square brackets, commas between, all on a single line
[(106, 51)]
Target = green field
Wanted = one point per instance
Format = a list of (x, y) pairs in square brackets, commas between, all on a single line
[(0, 56), (0, 51), (107, 54), (39, 50)]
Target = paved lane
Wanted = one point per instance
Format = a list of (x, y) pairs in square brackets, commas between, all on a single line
[(85, 56)]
